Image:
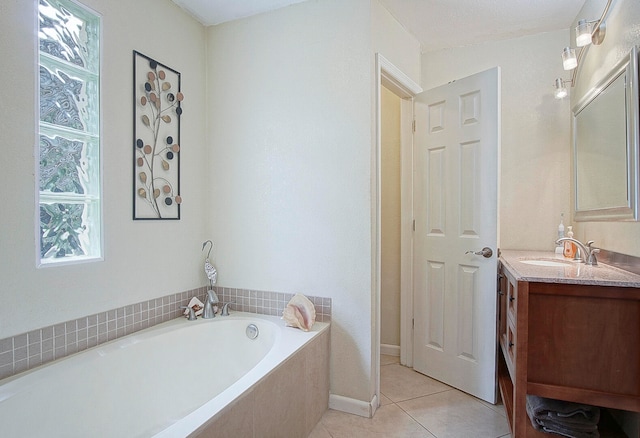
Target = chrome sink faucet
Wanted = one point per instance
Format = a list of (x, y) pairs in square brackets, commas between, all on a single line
[(587, 253)]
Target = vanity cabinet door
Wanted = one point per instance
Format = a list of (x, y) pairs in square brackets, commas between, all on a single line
[(508, 292), (512, 301), (502, 304), (510, 347)]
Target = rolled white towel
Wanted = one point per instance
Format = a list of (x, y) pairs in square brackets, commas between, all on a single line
[(196, 305)]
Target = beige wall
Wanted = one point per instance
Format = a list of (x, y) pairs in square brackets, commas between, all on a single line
[(390, 198), (534, 185), (623, 32), (143, 259), (392, 40), (292, 150), (290, 142)]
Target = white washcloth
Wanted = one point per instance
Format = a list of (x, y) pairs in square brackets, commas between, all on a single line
[(195, 302)]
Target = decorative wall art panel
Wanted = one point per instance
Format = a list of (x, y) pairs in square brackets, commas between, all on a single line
[(156, 139)]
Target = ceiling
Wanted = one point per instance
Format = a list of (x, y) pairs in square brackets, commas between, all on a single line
[(437, 24), (212, 12)]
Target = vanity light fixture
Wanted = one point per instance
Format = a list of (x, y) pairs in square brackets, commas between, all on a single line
[(561, 88), (569, 60), (587, 32), (583, 33)]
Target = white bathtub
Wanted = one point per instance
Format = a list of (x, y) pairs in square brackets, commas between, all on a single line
[(167, 381)]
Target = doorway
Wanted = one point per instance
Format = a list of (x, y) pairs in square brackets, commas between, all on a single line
[(390, 204), (400, 85), (390, 79)]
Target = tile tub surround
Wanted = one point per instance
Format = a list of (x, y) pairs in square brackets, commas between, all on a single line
[(288, 402), (29, 350)]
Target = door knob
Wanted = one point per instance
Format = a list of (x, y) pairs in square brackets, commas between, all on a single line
[(484, 252)]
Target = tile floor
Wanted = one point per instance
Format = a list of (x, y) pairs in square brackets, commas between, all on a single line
[(414, 405)]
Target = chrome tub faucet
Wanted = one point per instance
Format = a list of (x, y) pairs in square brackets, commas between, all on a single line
[(211, 300)]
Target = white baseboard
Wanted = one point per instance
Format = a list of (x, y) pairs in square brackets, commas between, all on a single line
[(374, 405), (391, 350), (353, 406)]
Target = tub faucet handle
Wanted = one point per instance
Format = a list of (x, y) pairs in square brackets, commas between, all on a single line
[(192, 313), (225, 309)]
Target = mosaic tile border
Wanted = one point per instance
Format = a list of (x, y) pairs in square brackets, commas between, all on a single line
[(29, 350), (269, 303)]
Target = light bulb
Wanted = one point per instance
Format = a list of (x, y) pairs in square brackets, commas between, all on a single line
[(569, 61), (561, 90), (583, 33)]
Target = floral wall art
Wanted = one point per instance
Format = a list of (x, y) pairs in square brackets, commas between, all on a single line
[(157, 110)]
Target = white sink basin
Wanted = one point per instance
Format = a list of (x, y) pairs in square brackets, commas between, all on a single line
[(550, 263)]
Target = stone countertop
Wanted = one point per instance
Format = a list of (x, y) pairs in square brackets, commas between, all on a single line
[(570, 273)]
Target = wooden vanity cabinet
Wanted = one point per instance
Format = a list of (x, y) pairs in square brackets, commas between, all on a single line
[(571, 342)]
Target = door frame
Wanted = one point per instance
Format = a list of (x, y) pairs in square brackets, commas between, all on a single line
[(394, 79)]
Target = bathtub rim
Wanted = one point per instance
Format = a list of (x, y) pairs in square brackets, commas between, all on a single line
[(287, 342), (131, 338)]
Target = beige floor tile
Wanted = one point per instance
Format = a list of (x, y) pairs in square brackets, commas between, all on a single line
[(414, 405), (320, 432), (498, 407), (386, 359), (384, 400), (389, 421), (454, 414), (400, 383)]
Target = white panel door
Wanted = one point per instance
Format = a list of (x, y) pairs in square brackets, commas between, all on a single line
[(456, 150)]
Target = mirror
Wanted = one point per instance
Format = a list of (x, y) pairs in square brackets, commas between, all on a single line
[(605, 147)]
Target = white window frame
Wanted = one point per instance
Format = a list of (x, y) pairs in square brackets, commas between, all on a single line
[(98, 218)]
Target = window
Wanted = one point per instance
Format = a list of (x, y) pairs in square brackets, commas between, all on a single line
[(69, 133)]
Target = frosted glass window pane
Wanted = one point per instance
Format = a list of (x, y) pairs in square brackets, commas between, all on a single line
[(62, 230), (62, 166), (68, 101), (67, 32)]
